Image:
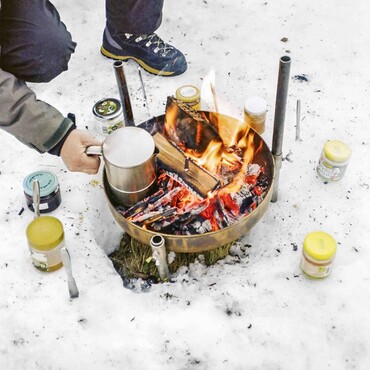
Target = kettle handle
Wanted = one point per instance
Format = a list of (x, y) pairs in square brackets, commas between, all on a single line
[(94, 150)]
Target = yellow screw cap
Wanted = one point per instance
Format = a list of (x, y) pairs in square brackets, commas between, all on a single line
[(320, 245), (188, 93), (45, 233), (337, 151)]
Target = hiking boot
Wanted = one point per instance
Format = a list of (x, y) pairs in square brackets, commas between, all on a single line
[(150, 51)]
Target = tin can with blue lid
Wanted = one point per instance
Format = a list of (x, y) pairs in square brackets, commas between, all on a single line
[(50, 196)]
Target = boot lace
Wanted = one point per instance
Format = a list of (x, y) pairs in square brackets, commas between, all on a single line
[(159, 45)]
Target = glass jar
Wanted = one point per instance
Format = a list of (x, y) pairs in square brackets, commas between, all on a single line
[(45, 236), (255, 110), (333, 160), (189, 94), (318, 254), (50, 196), (108, 115)]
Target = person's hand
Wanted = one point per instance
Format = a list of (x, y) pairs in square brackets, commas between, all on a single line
[(74, 156)]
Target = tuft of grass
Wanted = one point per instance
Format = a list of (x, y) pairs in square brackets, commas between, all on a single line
[(134, 259)]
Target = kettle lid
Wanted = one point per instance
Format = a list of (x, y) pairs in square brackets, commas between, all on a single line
[(128, 146)]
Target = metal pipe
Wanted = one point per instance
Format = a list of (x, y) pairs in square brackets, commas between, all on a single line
[(298, 121), (160, 256), (280, 108), (143, 90), (124, 94), (36, 197)]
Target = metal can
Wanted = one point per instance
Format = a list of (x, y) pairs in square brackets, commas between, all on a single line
[(318, 254), (45, 236), (189, 94), (108, 115), (50, 196), (255, 110), (333, 161)]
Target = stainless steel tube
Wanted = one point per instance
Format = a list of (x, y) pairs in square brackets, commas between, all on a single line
[(124, 94), (160, 256), (280, 108)]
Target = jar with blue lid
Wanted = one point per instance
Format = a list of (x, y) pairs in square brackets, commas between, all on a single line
[(50, 196)]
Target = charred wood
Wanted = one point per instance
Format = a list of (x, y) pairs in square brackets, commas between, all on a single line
[(189, 128)]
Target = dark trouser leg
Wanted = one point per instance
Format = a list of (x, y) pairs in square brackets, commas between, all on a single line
[(35, 44), (133, 16)]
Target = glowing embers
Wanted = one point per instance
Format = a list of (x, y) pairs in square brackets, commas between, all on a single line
[(223, 146), (175, 209)]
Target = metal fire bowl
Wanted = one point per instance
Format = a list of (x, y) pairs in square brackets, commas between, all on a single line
[(198, 242)]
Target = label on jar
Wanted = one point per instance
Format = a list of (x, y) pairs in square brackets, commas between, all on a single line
[(43, 206), (314, 270), (109, 129), (257, 122), (330, 171), (46, 260)]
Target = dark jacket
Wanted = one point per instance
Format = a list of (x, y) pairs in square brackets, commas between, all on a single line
[(33, 122)]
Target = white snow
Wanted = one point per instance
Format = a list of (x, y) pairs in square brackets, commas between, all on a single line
[(255, 309)]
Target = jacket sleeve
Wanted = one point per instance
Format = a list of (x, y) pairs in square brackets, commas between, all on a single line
[(33, 122)]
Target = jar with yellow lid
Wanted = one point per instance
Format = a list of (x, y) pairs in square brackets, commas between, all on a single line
[(189, 94), (333, 160), (45, 236), (318, 254)]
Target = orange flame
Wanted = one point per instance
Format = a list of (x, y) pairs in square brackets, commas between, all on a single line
[(234, 149), (170, 121)]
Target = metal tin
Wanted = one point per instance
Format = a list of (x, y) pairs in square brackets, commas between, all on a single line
[(45, 236), (318, 254), (50, 196), (255, 110), (333, 160), (189, 94), (108, 115)]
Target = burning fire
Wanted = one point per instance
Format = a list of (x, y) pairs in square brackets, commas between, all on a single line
[(231, 150), (227, 152)]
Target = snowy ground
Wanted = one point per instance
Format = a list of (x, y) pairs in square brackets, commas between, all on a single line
[(257, 313)]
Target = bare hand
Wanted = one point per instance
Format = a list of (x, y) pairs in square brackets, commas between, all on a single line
[(74, 156)]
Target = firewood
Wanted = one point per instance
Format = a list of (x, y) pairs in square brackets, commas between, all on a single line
[(174, 160), (188, 128)]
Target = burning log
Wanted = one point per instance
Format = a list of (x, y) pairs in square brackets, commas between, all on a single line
[(142, 205), (200, 226), (188, 129), (159, 205), (174, 160), (179, 218)]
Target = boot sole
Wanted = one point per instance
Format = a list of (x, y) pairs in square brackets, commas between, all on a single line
[(149, 69)]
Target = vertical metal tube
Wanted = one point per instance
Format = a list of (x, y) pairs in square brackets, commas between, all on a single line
[(280, 108), (36, 197), (143, 90), (298, 121), (160, 255), (124, 94)]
